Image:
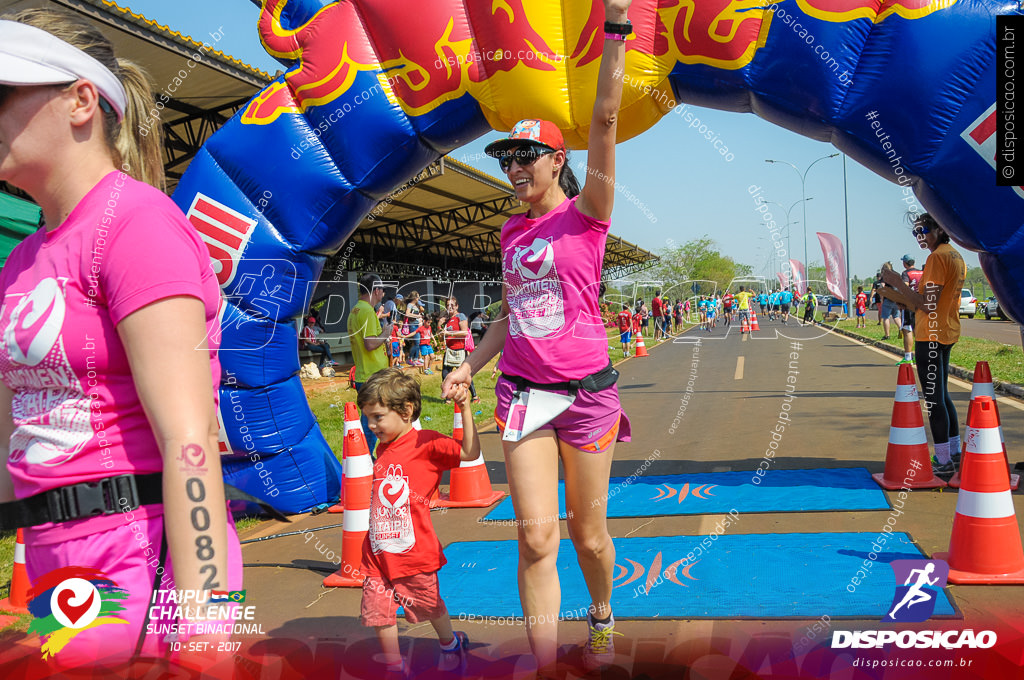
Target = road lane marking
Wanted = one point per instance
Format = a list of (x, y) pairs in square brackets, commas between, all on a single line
[(739, 369)]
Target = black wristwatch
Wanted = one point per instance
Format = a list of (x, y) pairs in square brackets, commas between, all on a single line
[(618, 29)]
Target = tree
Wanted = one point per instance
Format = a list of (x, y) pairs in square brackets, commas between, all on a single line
[(681, 265)]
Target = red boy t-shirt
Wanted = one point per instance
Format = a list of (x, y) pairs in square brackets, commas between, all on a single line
[(425, 334), (657, 307), (625, 321), (401, 540)]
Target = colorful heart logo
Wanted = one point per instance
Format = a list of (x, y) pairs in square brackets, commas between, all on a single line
[(73, 612)]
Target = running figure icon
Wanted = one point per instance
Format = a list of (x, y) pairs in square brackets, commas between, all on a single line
[(915, 594)]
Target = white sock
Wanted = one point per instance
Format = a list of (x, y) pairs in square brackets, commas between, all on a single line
[(954, 444), (451, 646), (942, 453), (907, 356)]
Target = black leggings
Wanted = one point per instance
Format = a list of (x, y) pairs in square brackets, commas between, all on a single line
[(933, 371), (445, 370)]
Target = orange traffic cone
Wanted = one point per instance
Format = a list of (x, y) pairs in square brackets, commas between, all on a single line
[(641, 348), (470, 485), (17, 600), (754, 326), (982, 386), (907, 462), (985, 545), (351, 422), (358, 475)]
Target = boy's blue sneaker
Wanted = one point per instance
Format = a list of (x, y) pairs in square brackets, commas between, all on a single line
[(455, 660)]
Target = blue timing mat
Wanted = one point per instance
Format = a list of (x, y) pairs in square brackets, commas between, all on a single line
[(704, 493), (744, 575)]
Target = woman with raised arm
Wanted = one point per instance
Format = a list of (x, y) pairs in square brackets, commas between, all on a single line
[(555, 364), (107, 410)]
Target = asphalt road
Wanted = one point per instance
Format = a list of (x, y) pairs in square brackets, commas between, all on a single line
[(840, 418), (997, 330)]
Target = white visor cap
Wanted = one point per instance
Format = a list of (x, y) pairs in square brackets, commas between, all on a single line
[(31, 56)]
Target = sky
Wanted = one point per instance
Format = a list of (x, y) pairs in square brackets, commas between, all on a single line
[(685, 186)]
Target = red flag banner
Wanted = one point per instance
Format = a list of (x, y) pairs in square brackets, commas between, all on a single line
[(835, 264), (798, 276), (783, 279)]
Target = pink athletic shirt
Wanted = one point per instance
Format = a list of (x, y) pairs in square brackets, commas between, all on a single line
[(552, 271), (77, 415)]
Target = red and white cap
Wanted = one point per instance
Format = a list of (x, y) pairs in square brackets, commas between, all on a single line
[(530, 131), (32, 56)]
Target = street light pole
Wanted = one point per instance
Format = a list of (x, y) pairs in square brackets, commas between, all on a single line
[(789, 233), (803, 193)]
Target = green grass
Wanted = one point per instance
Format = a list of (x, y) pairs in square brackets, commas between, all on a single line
[(1005, 361)]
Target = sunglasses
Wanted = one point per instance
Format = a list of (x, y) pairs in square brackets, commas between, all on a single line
[(920, 231), (524, 155)]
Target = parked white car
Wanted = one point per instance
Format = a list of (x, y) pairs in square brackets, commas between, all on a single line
[(968, 303)]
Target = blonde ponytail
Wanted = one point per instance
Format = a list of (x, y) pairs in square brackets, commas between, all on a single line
[(140, 156)]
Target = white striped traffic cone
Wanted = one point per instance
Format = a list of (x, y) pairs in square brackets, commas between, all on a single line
[(358, 472), (351, 423), (470, 485), (982, 386), (907, 462), (641, 348), (17, 599), (985, 545)]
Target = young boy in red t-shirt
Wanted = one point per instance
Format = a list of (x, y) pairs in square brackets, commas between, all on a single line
[(625, 320), (862, 306), (402, 554), (423, 335)]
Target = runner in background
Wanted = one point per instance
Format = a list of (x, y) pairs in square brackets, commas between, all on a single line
[(809, 302), (743, 306), (785, 299)]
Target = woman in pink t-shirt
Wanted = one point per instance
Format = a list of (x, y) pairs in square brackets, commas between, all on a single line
[(107, 407), (552, 335)]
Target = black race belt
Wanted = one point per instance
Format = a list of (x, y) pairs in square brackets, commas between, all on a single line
[(107, 496), (595, 382)]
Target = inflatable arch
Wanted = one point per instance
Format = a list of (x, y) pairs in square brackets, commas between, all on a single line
[(377, 89)]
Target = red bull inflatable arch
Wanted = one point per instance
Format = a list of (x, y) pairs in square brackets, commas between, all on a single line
[(377, 89)]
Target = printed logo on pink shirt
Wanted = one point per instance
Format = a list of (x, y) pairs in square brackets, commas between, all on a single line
[(49, 407), (35, 323), (534, 290), (536, 261)]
